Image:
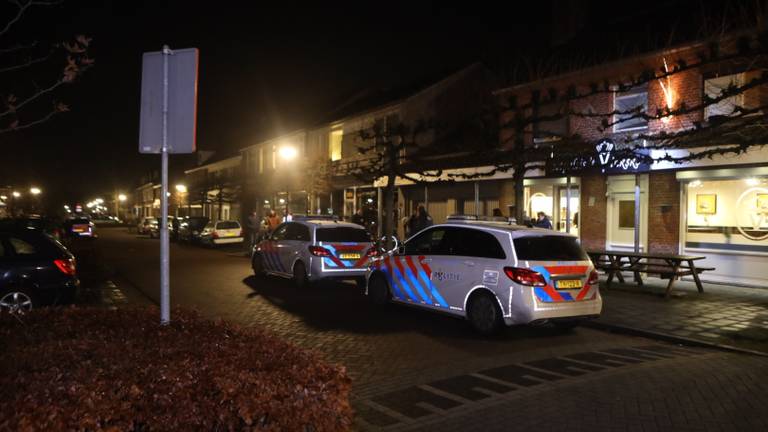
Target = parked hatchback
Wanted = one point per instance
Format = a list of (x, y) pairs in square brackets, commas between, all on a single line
[(309, 249), (491, 274), (222, 232), (191, 228), (35, 270)]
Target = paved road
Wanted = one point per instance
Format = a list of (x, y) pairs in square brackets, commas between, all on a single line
[(414, 370)]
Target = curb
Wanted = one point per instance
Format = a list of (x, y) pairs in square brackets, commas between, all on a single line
[(614, 328)]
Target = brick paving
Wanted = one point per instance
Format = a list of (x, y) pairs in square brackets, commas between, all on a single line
[(413, 370), (725, 315)]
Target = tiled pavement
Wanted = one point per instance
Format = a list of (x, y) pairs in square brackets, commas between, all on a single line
[(417, 371), (724, 315)]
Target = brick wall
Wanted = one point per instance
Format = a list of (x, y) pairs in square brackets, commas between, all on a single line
[(663, 213), (592, 217)]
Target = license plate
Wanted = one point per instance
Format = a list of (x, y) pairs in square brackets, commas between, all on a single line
[(349, 256), (569, 284), (229, 235)]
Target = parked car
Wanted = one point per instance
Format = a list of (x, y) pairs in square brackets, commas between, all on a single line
[(154, 228), (47, 225), (490, 273), (222, 232), (309, 249), (35, 270), (191, 228), (80, 227), (145, 223)]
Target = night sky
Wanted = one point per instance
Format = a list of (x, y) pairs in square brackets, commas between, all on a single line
[(262, 71)]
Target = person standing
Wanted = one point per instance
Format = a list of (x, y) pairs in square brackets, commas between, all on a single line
[(272, 221), (542, 221), (358, 217), (420, 220)]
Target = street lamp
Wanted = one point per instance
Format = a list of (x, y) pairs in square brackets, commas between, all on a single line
[(287, 152), (122, 197), (181, 188), (16, 194), (35, 191)]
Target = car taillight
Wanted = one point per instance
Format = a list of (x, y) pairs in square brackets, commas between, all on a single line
[(525, 276), (319, 251), (66, 266), (372, 252), (593, 278), (215, 234), (241, 233)]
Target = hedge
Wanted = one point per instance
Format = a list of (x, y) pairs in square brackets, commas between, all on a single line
[(108, 370)]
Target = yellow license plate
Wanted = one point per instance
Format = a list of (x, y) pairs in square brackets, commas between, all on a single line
[(569, 284), (349, 256)]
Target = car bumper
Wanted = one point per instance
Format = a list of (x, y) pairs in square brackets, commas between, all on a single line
[(227, 240), (319, 272), (525, 308)]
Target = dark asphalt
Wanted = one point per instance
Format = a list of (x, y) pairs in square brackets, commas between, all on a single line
[(414, 370)]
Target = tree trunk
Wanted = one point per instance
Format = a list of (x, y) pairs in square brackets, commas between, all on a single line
[(221, 203), (389, 204), (519, 178)]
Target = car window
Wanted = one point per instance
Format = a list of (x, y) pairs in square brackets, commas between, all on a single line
[(472, 243), (297, 232), (21, 247), (228, 225), (280, 232), (426, 243), (549, 248), (342, 234)]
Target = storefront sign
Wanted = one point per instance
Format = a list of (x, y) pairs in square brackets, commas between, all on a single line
[(610, 163)]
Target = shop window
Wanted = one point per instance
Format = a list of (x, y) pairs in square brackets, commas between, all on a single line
[(714, 87), (261, 160), (728, 214), (334, 145), (627, 214), (629, 103)]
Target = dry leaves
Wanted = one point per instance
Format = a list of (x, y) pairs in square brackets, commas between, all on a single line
[(119, 370)]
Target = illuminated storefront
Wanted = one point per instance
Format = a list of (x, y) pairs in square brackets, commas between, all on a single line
[(725, 218)]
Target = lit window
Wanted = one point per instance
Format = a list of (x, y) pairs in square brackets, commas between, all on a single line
[(335, 144), (261, 160), (714, 87), (630, 101), (274, 157)]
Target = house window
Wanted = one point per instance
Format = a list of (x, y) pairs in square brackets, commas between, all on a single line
[(630, 101), (334, 145), (261, 160), (714, 87)]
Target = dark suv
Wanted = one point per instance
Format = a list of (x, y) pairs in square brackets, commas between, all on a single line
[(35, 270)]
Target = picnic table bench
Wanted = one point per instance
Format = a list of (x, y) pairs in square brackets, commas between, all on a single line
[(667, 266)]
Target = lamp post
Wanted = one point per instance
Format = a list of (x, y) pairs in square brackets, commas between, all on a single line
[(287, 153), (35, 191), (181, 196)]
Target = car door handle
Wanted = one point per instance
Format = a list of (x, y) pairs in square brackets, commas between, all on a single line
[(469, 263)]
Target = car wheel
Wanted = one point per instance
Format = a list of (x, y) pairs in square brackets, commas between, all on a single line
[(258, 266), (360, 282), (300, 275), (16, 301), (484, 313), (378, 291)]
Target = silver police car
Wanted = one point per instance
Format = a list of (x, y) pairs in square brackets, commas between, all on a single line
[(490, 273), (309, 249)]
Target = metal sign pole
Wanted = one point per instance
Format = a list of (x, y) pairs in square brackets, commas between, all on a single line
[(637, 213), (165, 312)]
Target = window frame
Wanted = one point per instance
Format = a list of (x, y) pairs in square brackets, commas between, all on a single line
[(331, 144), (618, 127)]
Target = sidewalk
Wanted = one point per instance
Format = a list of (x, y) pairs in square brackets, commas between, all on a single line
[(722, 315)]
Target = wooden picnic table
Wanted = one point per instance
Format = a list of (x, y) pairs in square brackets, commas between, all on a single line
[(671, 266)]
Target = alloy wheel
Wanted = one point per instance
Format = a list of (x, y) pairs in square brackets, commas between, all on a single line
[(16, 302)]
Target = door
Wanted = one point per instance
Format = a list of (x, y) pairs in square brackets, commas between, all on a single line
[(272, 248), (423, 268), (296, 238), (561, 210)]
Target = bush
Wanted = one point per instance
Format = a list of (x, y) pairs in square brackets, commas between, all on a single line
[(97, 369)]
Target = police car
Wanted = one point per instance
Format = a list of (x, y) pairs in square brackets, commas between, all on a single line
[(308, 249), (490, 273)]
